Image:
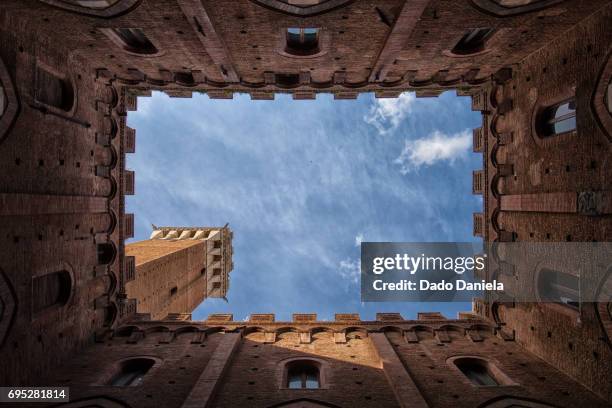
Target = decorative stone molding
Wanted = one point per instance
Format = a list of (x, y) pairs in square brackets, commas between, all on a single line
[(115, 10), (495, 8), (304, 10)]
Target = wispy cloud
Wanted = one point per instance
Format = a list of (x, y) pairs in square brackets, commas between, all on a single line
[(434, 148), (359, 239), (387, 114), (350, 269)]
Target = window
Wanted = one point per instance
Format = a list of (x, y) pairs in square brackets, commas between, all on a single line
[(134, 40), (216, 258), (203, 271), (557, 119), (106, 253), (53, 91), (216, 271), (559, 287), (477, 371), (287, 80), (473, 41), (216, 285), (217, 244), (131, 372), (173, 291), (184, 78), (302, 41), (303, 374), (50, 290)]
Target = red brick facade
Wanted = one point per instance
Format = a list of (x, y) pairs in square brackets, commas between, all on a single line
[(69, 74)]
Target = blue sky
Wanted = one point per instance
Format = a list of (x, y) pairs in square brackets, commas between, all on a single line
[(301, 184)]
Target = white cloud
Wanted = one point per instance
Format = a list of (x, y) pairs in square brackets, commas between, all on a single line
[(350, 269), (387, 114), (359, 239), (434, 148)]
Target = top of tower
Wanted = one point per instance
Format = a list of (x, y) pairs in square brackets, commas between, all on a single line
[(219, 252)]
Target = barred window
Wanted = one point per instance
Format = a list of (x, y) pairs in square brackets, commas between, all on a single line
[(49, 290), (473, 41), (302, 41), (134, 40), (132, 372), (303, 374), (557, 119), (477, 371), (53, 91)]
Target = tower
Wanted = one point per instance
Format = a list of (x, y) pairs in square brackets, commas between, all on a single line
[(177, 268)]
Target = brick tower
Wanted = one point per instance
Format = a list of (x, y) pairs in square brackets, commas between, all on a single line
[(177, 268)]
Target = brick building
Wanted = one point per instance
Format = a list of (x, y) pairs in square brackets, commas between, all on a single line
[(540, 72), (177, 268)]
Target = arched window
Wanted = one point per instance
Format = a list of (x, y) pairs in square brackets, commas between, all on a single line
[(557, 119), (477, 370), (303, 374), (473, 41), (134, 40), (302, 41), (131, 372), (54, 91), (106, 253), (559, 287), (49, 290)]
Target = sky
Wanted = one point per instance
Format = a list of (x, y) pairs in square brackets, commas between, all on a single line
[(302, 184)]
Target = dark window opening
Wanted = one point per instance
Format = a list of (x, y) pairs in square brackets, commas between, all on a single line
[(216, 258), (473, 41), (53, 91), (132, 372), (302, 41), (303, 374), (216, 271), (106, 253), (134, 40), (216, 285), (557, 119), (173, 291), (559, 287), (203, 271), (184, 78), (217, 244), (50, 290), (287, 80), (477, 371)]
